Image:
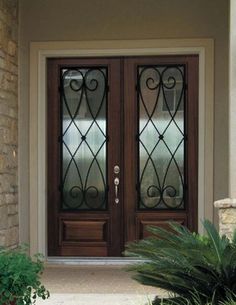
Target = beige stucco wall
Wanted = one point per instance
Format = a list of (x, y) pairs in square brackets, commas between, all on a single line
[(232, 101), (9, 222), (48, 20)]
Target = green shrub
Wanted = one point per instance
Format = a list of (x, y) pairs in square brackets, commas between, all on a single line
[(186, 263), (196, 300), (19, 277), (230, 300)]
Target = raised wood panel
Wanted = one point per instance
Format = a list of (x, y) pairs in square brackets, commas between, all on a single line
[(77, 230), (96, 251), (162, 223)]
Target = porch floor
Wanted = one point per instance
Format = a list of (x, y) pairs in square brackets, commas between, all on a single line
[(94, 285)]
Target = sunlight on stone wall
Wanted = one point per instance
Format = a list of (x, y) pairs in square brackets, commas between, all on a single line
[(9, 223), (227, 216)]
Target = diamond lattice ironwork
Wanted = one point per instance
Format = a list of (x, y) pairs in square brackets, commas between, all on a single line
[(161, 138), (83, 138)]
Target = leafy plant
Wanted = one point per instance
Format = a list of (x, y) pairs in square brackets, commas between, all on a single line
[(195, 300), (20, 277), (230, 300), (186, 263)]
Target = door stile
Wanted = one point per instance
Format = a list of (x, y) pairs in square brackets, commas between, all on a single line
[(130, 150), (115, 157), (53, 125), (192, 67)]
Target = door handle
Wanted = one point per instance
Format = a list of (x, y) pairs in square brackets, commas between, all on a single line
[(116, 183)]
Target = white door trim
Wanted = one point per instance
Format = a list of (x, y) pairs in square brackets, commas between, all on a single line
[(40, 51)]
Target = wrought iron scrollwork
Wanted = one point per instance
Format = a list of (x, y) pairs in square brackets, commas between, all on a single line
[(83, 138), (161, 138)]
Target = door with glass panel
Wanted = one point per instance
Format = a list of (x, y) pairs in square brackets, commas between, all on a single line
[(122, 150), (160, 143)]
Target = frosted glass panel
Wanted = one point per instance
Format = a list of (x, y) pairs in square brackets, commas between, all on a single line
[(83, 139), (161, 137)]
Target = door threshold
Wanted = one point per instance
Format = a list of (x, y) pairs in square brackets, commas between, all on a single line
[(121, 261)]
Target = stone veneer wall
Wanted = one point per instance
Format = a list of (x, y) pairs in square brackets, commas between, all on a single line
[(9, 223), (227, 216)]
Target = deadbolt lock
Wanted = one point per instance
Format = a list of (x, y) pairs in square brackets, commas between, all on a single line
[(116, 169)]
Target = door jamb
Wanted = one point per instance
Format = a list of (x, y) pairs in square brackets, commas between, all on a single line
[(40, 51)]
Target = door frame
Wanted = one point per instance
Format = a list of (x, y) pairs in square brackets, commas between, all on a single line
[(40, 51)]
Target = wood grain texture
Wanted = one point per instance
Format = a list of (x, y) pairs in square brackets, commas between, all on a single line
[(88, 231), (113, 244), (104, 233)]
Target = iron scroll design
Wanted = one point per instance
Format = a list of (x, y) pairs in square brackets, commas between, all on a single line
[(162, 137), (83, 139)]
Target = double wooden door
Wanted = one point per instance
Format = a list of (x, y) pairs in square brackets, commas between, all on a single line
[(122, 150)]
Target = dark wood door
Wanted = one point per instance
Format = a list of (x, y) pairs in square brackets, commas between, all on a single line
[(160, 143), (84, 113), (122, 150)]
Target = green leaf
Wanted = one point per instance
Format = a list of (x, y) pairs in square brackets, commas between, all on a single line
[(19, 276), (185, 263)]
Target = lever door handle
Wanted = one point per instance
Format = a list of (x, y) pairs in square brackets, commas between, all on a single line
[(116, 183)]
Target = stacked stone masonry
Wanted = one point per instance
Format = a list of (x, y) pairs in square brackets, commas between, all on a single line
[(227, 216), (9, 222)]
